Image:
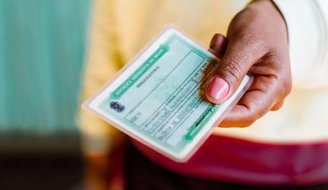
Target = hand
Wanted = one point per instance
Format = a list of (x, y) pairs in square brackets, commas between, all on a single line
[(257, 43)]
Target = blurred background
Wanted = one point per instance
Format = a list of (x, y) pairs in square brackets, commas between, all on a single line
[(42, 45)]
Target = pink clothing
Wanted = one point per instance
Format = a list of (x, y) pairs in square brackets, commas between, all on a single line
[(236, 160)]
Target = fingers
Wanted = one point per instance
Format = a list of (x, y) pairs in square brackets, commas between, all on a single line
[(277, 106), (256, 43), (218, 45), (257, 101), (241, 53)]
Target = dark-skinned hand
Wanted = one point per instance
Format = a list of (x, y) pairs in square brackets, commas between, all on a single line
[(256, 43)]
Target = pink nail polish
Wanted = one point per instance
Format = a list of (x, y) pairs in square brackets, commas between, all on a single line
[(218, 88)]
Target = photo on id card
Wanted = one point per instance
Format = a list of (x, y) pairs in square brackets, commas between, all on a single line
[(158, 98)]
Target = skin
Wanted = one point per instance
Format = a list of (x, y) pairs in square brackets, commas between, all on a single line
[(256, 43)]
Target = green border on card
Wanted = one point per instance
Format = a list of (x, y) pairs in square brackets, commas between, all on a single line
[(163, 48), (141, 70)]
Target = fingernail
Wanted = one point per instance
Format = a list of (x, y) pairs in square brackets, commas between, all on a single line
[(213, 40), (218, 88)]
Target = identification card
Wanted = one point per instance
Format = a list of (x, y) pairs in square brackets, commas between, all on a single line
[(158, 98)]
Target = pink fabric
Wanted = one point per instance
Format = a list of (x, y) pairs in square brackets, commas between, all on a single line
[(236, 160)]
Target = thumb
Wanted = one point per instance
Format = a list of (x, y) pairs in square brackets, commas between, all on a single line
[(238, 58)]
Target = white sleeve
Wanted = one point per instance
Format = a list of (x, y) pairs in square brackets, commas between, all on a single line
[(307, 23)]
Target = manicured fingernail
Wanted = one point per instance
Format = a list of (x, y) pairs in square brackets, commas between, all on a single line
[(218, 88)]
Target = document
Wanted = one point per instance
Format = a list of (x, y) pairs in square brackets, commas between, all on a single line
[(158, 98)]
